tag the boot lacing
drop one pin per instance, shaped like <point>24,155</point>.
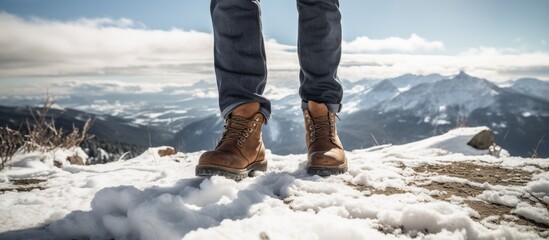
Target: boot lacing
<point>237,129</point>
<point>321,127</point>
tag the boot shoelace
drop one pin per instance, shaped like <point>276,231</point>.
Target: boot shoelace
<point>322,127</point>
<point>237,129</point>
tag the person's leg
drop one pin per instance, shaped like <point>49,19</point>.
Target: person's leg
<point>241,74</point>
<point>239,54</point>
<point>319,50</point>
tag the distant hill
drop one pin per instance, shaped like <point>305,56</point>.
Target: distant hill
<point>112,134</point>
<point>395,110</point>
<point>519,121</point>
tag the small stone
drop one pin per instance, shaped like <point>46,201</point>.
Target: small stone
<point>76,160</point>
<point>483,140</point>
<point>263,236</point>
<point>57,164</point>
<point>166,152</point>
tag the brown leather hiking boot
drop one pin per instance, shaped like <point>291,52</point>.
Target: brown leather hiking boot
<point>239,152</point>
<point>325,152</point>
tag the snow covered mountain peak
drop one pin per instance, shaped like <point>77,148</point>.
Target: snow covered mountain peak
<point>465,82</point>
<point>532,87</point>
<point>462,74</point>
<point>385,86</point>
<point>463,92</point>
<point>408,81</point>
<point>365,97</point>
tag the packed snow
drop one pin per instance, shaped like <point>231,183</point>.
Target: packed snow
<point>384,195</point>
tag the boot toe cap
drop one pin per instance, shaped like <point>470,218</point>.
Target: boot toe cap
<point>214,158</point>
<point>332,158</point>
<point>222,159</point>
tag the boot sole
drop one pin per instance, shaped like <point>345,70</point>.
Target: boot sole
<point>326,171</point>
<point>231,173</point>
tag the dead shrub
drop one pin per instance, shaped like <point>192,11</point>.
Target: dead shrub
<point>41,134</point>
<point>10,140</point>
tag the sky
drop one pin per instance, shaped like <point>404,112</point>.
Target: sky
<point>170,40</point>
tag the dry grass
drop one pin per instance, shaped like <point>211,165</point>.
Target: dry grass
<point>10,141</point>
<point>45,136</point>
<point>40,135</point>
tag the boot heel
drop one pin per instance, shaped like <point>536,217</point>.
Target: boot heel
<point>258,166</point>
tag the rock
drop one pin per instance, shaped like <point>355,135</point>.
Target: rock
<point>57,164</point>
<point>76,160</point>
<point>167,151</point>
<point>483,140</point>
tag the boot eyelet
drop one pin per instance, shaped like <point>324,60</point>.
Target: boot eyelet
<point>246,134</point>
<point>250,130</point>
<point>239,143</point>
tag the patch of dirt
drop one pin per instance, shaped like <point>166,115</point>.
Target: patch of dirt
<point>486,209</point>
<point>493,174</point>
<point>453,188</point>
<point>23,185</point>
<point>389,191</point>
<point>371,191</point>
<point>27,181</point>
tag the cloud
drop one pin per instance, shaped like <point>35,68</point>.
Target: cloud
<point>122,49</point>
<point>413,44</point>
<point>105,22</point>
<point>38,47</point>
<point>527,71</point>
<point>490,63</point>
<point>115,47</point>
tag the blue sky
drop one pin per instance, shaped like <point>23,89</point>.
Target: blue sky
<point>460,24</point>
<point>170,40</point>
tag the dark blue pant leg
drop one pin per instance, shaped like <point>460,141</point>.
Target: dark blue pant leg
<point>319,50</point>
<point>239,54</point>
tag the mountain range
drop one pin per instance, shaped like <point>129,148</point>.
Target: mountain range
<point>390,111</point>
<point>519,120</point>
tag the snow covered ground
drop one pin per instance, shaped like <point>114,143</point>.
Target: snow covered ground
<point>438,188</point>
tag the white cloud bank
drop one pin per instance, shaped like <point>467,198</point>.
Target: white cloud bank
<point>52,49</point>
<point>488,63</point>
<point>412,44</point>
<point>38,47</point>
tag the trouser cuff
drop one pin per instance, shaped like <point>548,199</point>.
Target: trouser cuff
<point>229,109</point>
<point>332,107</point>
